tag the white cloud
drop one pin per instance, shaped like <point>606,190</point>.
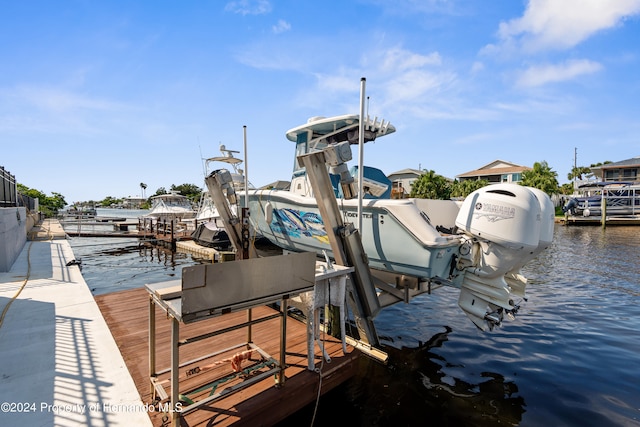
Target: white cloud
<point>55,110</point>
<point>413,85</point>
<point>345,82</point>
<point>397,59</point>
<point>562,24</point>
<point>56,100</point>
<point>477,67</point>
<point>281,27</point>
<point>249,7</point>
<point>540,75</point>
<point>408,75</point>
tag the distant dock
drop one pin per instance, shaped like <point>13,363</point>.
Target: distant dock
<point>162,231</point>
<point>627,220</point>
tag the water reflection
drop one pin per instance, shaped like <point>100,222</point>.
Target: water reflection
<point>126,264</point>
<point>569,358</point>
<point>414,389</point>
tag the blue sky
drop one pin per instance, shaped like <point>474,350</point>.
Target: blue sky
<point>97,97</point>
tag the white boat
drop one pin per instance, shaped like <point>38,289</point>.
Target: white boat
<point>171,206</point>
<point>478,245</point>
<point>208,231</point>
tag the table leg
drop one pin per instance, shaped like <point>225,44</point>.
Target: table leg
<point>175,362</point>
<point>152,345</point>
<point>283,341</point>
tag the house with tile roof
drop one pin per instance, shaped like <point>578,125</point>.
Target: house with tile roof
<point>496,172</point>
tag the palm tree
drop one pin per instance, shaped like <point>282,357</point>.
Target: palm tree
<point>541,177</point>
<point>431,186</point>
<point>143,187</point>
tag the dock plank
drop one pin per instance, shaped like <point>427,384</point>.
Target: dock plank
<point>126,314</point>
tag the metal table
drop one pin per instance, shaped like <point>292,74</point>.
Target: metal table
<point>210,290</point>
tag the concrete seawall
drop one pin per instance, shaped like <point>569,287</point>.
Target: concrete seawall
<point>13,235</point>
<point>17,225</point>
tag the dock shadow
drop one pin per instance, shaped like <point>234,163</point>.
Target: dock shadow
<point>78,374</point>
<point>27,362</point>
<point>49,368</point>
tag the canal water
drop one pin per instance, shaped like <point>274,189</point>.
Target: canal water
<point>570,358</point>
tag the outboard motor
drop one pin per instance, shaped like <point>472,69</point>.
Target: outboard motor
<point>503,224</point>
<point>505,220</point>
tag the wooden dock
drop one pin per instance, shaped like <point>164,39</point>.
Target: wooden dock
<point>126,314</point>
<point>161,231</point>
<point>626,220</point>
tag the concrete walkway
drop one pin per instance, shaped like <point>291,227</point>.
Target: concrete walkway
<point>59,364</point>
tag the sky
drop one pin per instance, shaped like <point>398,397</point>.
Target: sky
<point>99,97</point>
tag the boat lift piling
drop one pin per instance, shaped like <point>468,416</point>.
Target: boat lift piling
<point>345,242</point>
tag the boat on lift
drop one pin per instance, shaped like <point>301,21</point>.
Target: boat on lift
<point>618,198</point>
<point>478,245</point>
<point>171,206</point>
<point>209,231</point>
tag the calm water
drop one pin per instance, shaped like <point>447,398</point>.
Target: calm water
<point>570,358</point>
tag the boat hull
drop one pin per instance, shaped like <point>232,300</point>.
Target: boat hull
<point>210,235</point>
<point>395,234</point>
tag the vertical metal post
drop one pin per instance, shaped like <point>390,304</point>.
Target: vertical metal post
<point>345,244</point>
<point>152,344</point>
<point>175,362</point>
<point>283,341</point>
<point>246,168</point>
<point>361,123</point>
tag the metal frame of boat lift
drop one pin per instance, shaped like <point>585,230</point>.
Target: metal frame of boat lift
<point>369,290</point>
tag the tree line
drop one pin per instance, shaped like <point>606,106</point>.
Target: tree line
<point>433,186</point>
<point>190,191</point>
<point>429,185</point>
<point>50,205</point>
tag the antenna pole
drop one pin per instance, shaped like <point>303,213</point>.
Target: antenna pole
<point>363,83</point>
<point>246,168</point>
<point>575,167</point>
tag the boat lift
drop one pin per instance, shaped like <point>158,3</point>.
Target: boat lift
<point>369,290</point>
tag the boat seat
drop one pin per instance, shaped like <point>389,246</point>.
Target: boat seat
<point>331,291</point>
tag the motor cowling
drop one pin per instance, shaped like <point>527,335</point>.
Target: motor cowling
<point>547,219</point>
<point>506,214</point>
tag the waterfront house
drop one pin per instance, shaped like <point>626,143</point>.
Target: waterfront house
<point>133,202</point>
<point>402,181</point>
<point>496,172</point>
<point>625,170</point>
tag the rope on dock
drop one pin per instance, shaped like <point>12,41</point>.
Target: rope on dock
<point>6,308</point>
<point>26,279</point>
